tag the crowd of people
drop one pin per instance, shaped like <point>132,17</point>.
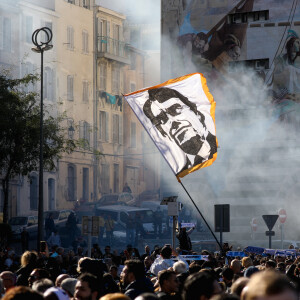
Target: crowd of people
<point>160,273</point>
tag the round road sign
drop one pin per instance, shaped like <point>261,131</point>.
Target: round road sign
<point>282,215</point>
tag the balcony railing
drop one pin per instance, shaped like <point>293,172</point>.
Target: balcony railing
<point>111,46</point>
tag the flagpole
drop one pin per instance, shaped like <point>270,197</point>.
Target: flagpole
<point>201,215</point>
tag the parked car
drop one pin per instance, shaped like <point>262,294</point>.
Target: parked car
<point>18,223</point>
<point>60,217</point>
<point>116,199</point>
<point>121,213</point>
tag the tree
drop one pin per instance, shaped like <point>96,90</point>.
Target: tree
<point>20,133</point>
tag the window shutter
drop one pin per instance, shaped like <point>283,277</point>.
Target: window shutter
<point>106,127</point>
<point>81,129</point>
<point>120,130</point>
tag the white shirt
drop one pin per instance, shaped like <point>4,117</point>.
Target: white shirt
<point>161,264</point>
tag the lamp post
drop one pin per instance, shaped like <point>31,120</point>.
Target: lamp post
<point>40,47</point>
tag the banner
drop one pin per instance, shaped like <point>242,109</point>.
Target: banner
<point>179,116</point>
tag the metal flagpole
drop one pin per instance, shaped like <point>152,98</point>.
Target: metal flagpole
<point>201,215</point>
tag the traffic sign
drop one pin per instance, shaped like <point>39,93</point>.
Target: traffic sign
<point>270,220</point>
<point>282,215</point>
<point>270,233</point>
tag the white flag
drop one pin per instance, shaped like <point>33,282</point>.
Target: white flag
<point>179,116</point>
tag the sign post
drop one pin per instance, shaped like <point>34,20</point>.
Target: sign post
<point>270,221</point>
<point>282,219</point>
<point>172,211</point>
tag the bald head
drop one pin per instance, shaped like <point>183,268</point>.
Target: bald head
<point>8,279</point>
<point>60,278</point>
<point>236,266</point>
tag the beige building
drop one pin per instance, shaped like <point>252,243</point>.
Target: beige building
<point>74,79</point>
<point>112,56</point>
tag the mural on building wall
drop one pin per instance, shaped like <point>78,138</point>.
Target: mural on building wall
<point>285,82</point>
<point>210,35</point>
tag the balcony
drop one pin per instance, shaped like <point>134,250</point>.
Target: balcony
<point>112,49</point>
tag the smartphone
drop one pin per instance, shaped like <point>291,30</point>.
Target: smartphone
<point>43,246</point>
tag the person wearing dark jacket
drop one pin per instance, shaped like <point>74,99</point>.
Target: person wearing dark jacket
<point>184,239</point>
<point>28,263</point>
<point>134,279</point>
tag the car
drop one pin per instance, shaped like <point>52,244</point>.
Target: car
<point>60,217</point>
<point>116,199</point>
<point>18,223</point>
<point>121,213</point>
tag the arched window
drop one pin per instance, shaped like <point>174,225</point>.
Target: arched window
<point>34,192</point>
<point>71,183</point>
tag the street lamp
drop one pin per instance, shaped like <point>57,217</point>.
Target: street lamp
<point>40,47</point>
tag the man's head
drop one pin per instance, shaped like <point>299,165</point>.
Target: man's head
<point>227,274</point>
<point>132,270</point>
<point>60,278</point>
<point>180,267</point>
<point>148,262</point>
<point>166,252</point>
<point>8,279</point>
<point>164,109</point>
<point>147,249</point>
<point>113,270</point>
<point>42,285</point>
<point>86,287</point>
<point>270,285</point>
<point>22,292</point>
<point>107,249</point>
<point>236,266</point>
<point>247,262</point>
<point>200,286</point>
<point>168,281</point>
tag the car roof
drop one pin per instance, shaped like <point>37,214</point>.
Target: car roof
<point>122,208</point>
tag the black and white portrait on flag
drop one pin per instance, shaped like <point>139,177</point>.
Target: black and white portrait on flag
<point>178,119</point>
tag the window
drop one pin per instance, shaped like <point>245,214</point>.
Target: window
<point>28,29</point>
<point>44,37</point>
<point>48,84</point>
<point>34,192</point>
<point>132,61</point>
<point>84,133</point>
<point>104,178</point>
<point>103,35</point>
<point>116,129</point>
<point>85,184</point>
<point>71,196</point>
<point>85,91</point>
<point>116,39</point>
<point>70,88</point>
<point>116,178</point>
<point>86,3</point>
<point>71,129</point>
<point>85,41</point>
<point>6,34</point>
<point>115,80</point>
<point>102,72</point>
<point>103,126</point>
<point>70,38</point>
<point>28,68</point>
<point>133,135</point>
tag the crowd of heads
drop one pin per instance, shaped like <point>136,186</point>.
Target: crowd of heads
<point>161,273</point>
